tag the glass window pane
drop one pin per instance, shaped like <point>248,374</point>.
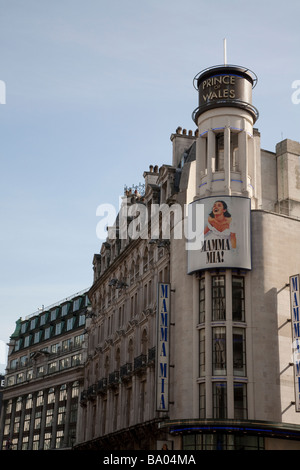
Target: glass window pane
<point>218,298</point>
<point>219,350</point>
<point>202,301</point>
<point>220,400</point>
<point>202,401</point>
<point>202,353</point>
<point>240,401</point>
<point>239,352</point>
<point>238,299</point>
<point>219,164</point>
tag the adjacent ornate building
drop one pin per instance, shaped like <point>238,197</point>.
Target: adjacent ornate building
<point>44,378</point>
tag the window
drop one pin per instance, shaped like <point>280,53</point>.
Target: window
<point>37,337</point>
<point>75,389</point>
<point>238,299</point>
<point>202,301</point>
<point>63,392</point>
<point>19,404</point>
<point>81,319</point>
<point>36,442</point>
<point>52,367</point>
<point>58,328</point>
<point>66,344</point>
<point>218,441</point>
<point>234,152</point>
<point>239,351</point>
<point>43,319</point>
<point>25,442</point>
<point>20,377</point>
<point>17,424</point>
<point>48,332</point>
<point>29,402</point>
<point>202,401</point>
<point>33,323</point>
<point>219,400</point>
<point>7,426</point>
<point>219,350</point>
<point>27,341</point>
<point>40,398</point>
<point>202,352</point>
<point>70,323</point>
<point>14,363</point>
<point>9,407</point>
<point>24,327</point>
<point>64,363</point>
<point>219,165</point>
<point>76,360</point>
<point>51,396</point>
<point>218,298</point>
<point>40,371</point>
<point>37,420</point>
<point>54,348</point>
<point>65,309</point>
<point>27,421</point>
<point>78,340</point>
<point>61,415</point>
<point>11,380</point>
<point>47,441</point>
<point>23,360</point>
<point>76,304</point>
<point>73,412</point>
<point>59,439</point>
<point>240,401</point>
<point>49,417</point>
<point>53,314</point>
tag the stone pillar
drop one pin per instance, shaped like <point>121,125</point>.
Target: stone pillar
<point>196,345</point>
<point>229,345</point>
<point>211,155</point>
<point>243,157</point>
<point>201,158</point>
<point>54,424</point>
<point>31,429</point>
<point>66,442</point>
<point>22,422</point>
<point>43,421</point>
<point>227,160</point>
<point>208,347</point>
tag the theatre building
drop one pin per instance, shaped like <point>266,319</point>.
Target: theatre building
<point>44,378</point>
<point>193,335</point>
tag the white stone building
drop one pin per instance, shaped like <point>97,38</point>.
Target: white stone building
<point>229,380</point>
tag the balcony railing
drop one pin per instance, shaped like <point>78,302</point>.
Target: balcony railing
<point>113,378</point>
<point>102,385</point>
<point>83,398</point>
<point>151,354</point>
<point>92,391</point>
<point>140,362</point>
<point>126,371</point>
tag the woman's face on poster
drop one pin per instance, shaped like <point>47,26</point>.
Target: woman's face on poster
<point>218,208</point>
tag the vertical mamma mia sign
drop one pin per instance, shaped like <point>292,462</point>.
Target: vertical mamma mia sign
<point>162,347</point>
<point>295,305</point>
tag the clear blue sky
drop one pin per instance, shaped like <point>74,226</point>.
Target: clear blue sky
<point>94,90</point>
